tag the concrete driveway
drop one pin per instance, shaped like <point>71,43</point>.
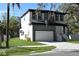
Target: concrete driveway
<point>62,45</point>
<point>62,49</point>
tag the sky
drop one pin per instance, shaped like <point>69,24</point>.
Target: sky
<point>19,12</point>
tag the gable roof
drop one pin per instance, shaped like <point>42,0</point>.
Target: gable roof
<point>41,11</point>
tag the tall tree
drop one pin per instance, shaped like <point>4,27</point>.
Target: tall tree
<point>73,13</point>
<point>71,9</point>
<point>14,26</point>
<point>41,6</point>
<point>1,32</point>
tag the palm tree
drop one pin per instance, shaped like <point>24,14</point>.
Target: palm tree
<point>8,15</point>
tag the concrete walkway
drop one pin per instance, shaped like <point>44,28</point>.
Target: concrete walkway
<point>62,49</point>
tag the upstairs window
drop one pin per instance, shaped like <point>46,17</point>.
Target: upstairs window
<point>61,17</point>
<point>34,16</point>
<point>52,16</point>
<point>43,16</point>
<point>40,18</point>
<point>57,17</point>
<point>46,16</point>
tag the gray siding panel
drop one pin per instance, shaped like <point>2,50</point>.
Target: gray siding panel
<point>43,28</point>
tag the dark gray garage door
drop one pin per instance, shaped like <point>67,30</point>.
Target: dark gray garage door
<point>44,36</point>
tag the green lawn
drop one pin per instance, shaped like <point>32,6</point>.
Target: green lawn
<point>24,51</point>
<point>76,41</point>
<point>14,50</point>
<point>18,42</point>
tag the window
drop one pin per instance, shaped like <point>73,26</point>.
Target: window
<point>46,16</point>
<point>40,17</point>
<point>63,29</point>
<point>33,15</point>
<point>57,17</point>
<point>51,18</point>
<point>43,16</point>
<point>61,17</point>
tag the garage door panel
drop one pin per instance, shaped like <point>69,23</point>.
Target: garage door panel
<point>44,35</point>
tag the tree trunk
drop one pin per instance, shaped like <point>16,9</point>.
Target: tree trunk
<point>7,27</point>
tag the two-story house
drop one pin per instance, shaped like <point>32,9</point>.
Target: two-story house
<point>43,25</point>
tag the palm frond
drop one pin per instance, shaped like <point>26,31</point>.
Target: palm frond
<point>13,4</point>
<point>18,5</point>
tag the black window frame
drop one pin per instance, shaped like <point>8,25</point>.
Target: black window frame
<point>46,15</point>
<point>51,18</point>
<point>40,17</point>
<point>61,17</point>
<point>34,16</point>
<point>56,17</point>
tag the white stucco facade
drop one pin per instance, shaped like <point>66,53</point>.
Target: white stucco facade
<point>26,28</point>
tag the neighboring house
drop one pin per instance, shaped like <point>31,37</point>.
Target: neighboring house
<point>36,26</point>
